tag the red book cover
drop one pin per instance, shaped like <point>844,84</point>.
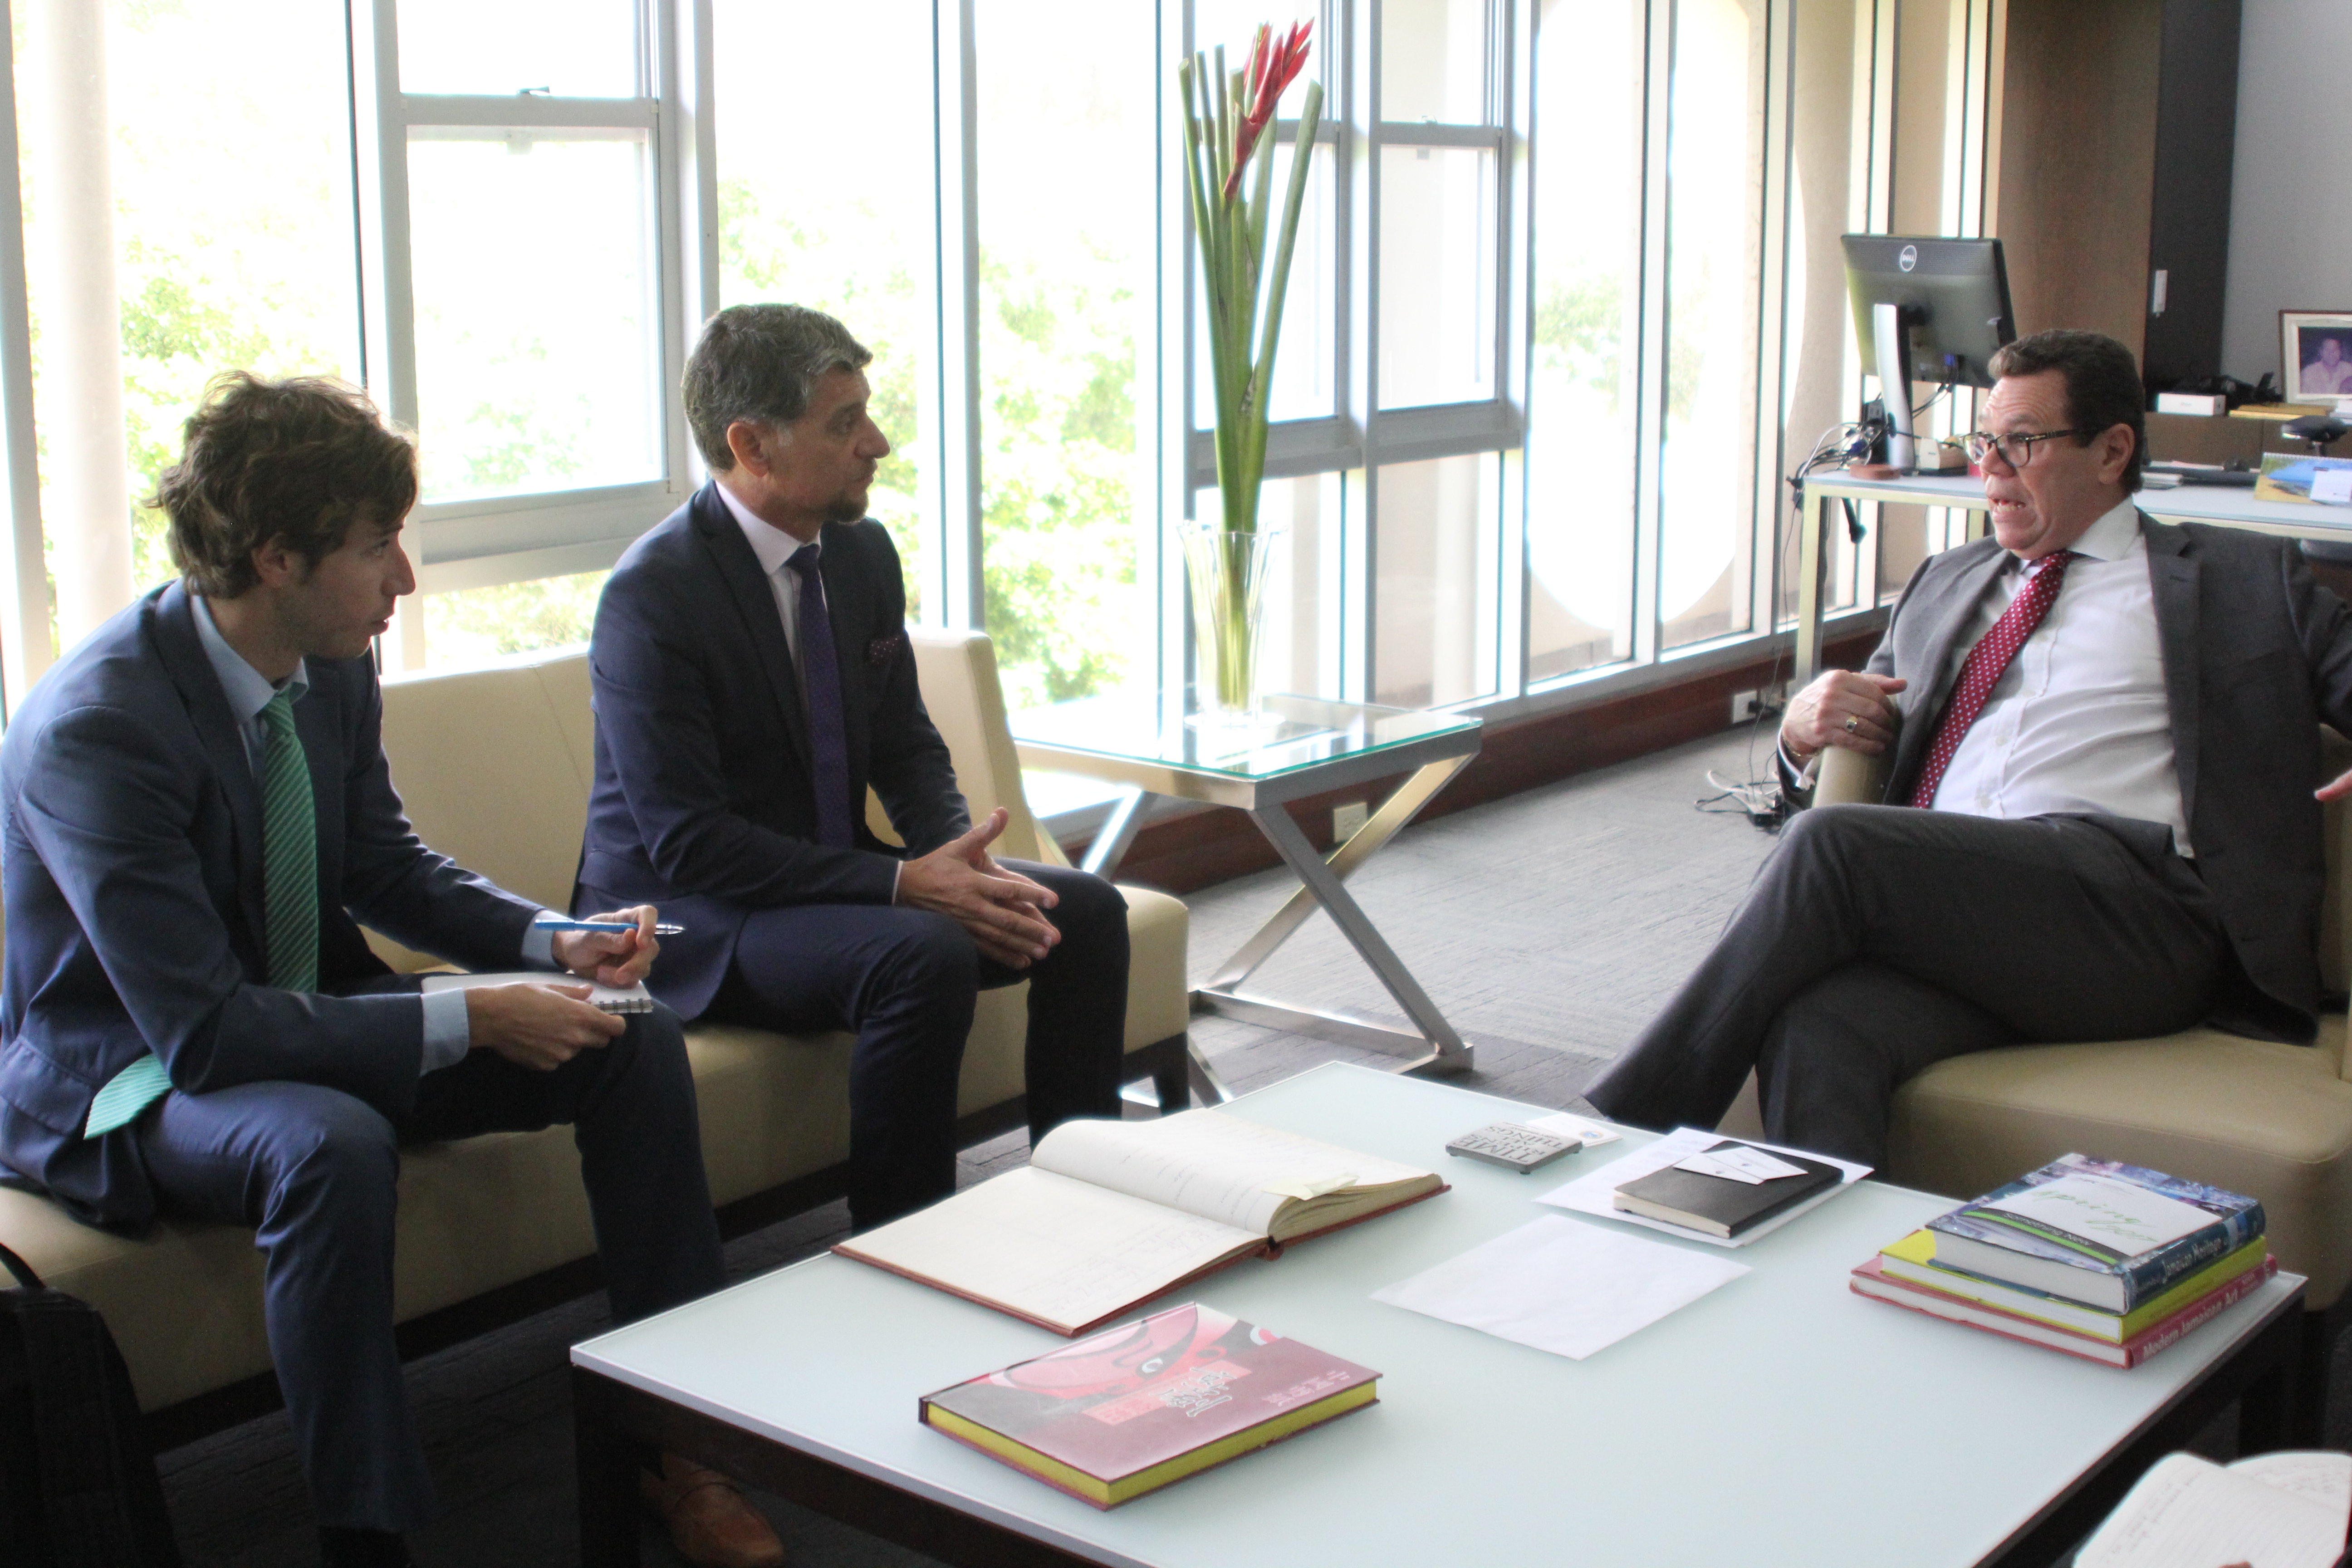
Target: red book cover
<point>1134,1408</point>
<point>1872,1281</point>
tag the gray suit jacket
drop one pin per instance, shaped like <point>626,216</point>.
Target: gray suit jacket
<point>2256,655</point>
<point>130,862</point>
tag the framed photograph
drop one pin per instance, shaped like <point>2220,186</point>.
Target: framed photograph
<point>2315,354</point>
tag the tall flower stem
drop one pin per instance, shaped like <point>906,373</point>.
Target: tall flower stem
<point>1226,115</point>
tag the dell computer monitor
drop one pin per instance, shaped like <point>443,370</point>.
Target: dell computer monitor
<point>1948,302</point>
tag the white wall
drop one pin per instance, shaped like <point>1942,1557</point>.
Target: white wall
<point>2290,223</point>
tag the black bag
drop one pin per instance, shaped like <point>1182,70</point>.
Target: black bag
<point>77,1487</point>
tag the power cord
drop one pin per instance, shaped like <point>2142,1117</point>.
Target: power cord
<point>1759,798</point>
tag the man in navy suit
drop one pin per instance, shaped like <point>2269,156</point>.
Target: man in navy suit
<point>752,679</point>
<point>197,816</point>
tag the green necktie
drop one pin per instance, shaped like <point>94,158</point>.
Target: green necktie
<point>289,852</point>
<point>289,877</point>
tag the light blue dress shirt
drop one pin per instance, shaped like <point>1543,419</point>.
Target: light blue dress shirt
<point>446,1031</point>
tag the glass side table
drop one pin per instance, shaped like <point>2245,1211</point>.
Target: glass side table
<point>1308,746</point>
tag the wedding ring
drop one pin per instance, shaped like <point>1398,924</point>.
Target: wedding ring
<point>1852,725</point>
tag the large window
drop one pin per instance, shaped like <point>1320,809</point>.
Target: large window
<point>210,267</point>
<point>827,197</point>
<point>1566,303</point>
<point>1065,145</point>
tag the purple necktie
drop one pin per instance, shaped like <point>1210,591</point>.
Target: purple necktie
<point>821,677</point>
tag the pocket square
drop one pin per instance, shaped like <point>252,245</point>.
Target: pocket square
<point>880,650</point>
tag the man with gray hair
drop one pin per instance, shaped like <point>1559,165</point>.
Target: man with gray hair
<point>752,680</point>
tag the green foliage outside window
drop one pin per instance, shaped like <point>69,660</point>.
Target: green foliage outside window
<point>1057,424</point>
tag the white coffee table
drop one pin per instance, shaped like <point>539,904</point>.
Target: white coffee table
<point>1781,1421</point>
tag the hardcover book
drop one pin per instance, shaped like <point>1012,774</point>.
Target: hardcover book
<point>1132,1409</point>
<point>2107,1235</point>
<point>1107,1214</point>
<point>1913,1260</point>
<point>1723,1206</point>
<point>1872,1280</point>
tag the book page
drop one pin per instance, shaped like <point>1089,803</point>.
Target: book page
<point>1058,1250</point>
<point>2188,1512</point>
<point>1208,1163</point>
<point>2325,1477</point>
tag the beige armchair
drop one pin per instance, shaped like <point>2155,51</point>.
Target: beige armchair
<point>495,767</point>
<point>2254,1116</point>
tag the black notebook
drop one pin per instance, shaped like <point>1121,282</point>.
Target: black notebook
<point>1722,1206</point>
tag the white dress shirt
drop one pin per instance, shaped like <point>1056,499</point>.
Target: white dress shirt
<point>447,1033</point>
<point>2079,721</point>
<point>775,549</point>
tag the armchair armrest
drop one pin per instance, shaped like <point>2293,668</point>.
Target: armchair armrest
<point>1849,778</point>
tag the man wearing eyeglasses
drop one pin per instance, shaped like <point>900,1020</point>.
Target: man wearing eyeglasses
<point>2101,822</point>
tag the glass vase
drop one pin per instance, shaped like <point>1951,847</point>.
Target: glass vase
<point>1228,570</point>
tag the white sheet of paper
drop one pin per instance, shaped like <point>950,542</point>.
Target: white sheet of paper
<point>1561,1287</point>
<point>1566,1126</point>
<point>1589,1193</point>
<point>2332,487</point>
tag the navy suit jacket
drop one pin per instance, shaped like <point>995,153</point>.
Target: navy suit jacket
<point>2256,657</point>
<point>131,862</point>
<point>704,801</point>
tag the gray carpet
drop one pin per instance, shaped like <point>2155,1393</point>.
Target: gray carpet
<point>1547,927</point>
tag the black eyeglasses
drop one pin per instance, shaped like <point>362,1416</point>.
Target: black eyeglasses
<point>2017,451</point>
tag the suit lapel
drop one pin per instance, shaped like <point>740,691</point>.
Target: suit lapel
<point>1955,614</point>
<point>2172,580</point>
<point>755,602</point>
<point>192,671</point>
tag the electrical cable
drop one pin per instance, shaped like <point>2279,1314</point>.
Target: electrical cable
<point>1759,798</point>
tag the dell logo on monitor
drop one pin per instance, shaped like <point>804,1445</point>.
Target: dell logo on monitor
<point>1909,258</point>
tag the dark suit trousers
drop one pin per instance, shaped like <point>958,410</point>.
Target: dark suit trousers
<point>907,982</point>
<point>312,1169</point>
<point>1877,939</point>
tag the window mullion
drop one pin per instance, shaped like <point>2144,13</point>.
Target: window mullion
<point>387,299</point>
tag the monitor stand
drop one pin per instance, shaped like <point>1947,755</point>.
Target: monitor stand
<point>1893,336</point>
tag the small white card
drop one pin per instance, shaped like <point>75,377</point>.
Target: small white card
<point>1740,1163</point>
<point>2332,487</point>
<point>1561,1124</point>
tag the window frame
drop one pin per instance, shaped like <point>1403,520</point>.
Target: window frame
<point>486,541</point>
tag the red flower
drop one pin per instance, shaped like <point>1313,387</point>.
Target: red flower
<point>1272,67</point>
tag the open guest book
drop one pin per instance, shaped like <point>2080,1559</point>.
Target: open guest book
<point>1108,1214</point>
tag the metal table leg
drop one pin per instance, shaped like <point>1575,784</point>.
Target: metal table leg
<point>1117,834</point>
<point>1812,563</point>
<point>1438,1049</point>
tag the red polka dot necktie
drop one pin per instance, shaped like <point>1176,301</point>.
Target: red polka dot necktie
<point>1986,663</point>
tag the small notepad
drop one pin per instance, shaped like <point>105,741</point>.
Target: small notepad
<point>632,999</point>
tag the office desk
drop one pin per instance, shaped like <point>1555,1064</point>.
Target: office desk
<point>1779,1422</point>
<point>2188,504</point>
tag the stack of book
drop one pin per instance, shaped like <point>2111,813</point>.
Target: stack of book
<point>2102,1261</point>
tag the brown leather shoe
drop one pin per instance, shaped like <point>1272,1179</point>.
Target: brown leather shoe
<point>710,1521</point>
